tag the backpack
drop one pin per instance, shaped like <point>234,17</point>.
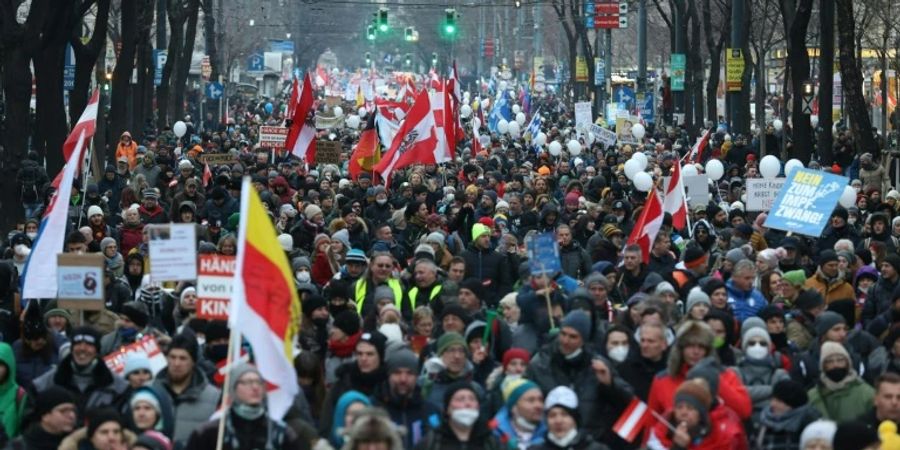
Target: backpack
<point>28,178</point>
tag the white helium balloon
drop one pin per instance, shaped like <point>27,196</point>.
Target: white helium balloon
<point>769,166</point>
<point>476,122</point>
<point>848,197</point>
<point>689,170</point>
<point>520,118</point>
<point>574,147</point>
<point>589,138</point>
<point>353,122</point>
<point>540,139</point>
<point>338,111</point>
<point>503,126</point>
<point>179,128</point>
<point>638,131</point>
<point>641,158</point>
<point>791,165</point>
<point>516,109</point>
<point>465,111</point>
<point>643,181</point>
<point>484,140</point>
<point>555,148</point>
<point>362,111</point>
<point>715,169</point>
<point>632,167</point>
<point>728,137</point>
<point>778,124</point>
<point>514,129</point>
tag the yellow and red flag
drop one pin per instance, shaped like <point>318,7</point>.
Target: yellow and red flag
<point>265,307</point>
<point>360,99</point>
<point>367,152</point>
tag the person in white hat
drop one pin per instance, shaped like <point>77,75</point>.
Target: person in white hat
<point>561,415</point>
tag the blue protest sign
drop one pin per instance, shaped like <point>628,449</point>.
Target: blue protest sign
<point>543,255</point>
<point>647,110</point>
<point>214,91</point>
<point>806,201</point>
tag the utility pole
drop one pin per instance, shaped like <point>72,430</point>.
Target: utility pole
<point>598,88</point>
<point>826,76</point>
<point>738,37</point>
<point>607,89</point>
<point>538,30</point>
<point>479,66</point>
<point>678,96</point>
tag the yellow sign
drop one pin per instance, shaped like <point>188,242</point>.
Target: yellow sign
<point>734,69</point>
<point>537,64</point>
<point>581,69</point>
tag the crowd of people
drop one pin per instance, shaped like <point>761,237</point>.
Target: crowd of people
<point>425,327</point>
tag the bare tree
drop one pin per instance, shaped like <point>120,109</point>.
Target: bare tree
<point>852,79</point>
<point>795,17</point>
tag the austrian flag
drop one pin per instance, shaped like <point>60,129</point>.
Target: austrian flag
<point>301,138</point>
<point>633,420</point>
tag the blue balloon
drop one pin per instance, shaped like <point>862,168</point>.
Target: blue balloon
<point>269,108</point>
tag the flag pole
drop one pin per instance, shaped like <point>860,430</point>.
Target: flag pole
<point>226,397</point>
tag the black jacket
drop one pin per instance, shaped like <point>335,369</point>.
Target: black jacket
<point>443,438</point>
<point>412,413</point>
<point>487,266</point>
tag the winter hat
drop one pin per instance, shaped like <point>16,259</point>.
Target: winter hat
<point>826,321</point>
<point>235,376</point>
<point>137,313</point>
<point>286,241</point>
<point>790,392</point>
<point>831,349</point>
<point>456,387</point>
<point>190,290</point>
<point>423,251</point>
<point>319,238</point>
<point>694,332</point>
<point>735,255</point>
<point>312,303</point>
<point>894,260</point>
<point>388,308</point>
<point>769,256</point>
<point>300,262</point>
<point>393,333</point>
<point>595,278</point>
<point>99,416</point>
<point>187,342</point>
<point>86,334</point>
<point>695,393</point>
<point>664,287</point>
<point>795,277</point>
<point>135,361</point>
<point>694,257</point>
<point>356,256</point>
<point>854,435</point>
<point>145,395</point>
<point>474,285</point>
<point>565,398</point>
<point>347,321</point>
<point>106,242</point>
<point>454,309</point>
<point>435,237</point>
<point>383,292</point>
<point>757,333</point>
<point>33,325</point>
<point>770,311</point>
<point>59,312</point>
<point>840,211</point>
<point>478,230</point>
<point>826,257</point>
<point>375,339</point>
<point>402,359</point>
<point>695,297</point>
<point>449,339</point>
<point>94,210</point>
<point>752,322</point>
<point>579,321</point>
<point>343,236</point>
<point>311,211</point>
<point>709,370</point>
<point>513,390</point>
<point>819,430</point>
<point>515,353</point>
<point>808,300</point>
<point>153,440</point>
<point>474,330</point>
<point>51,398</point>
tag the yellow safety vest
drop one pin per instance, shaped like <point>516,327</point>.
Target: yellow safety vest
<point>414,294</point>
<point>363,284</point>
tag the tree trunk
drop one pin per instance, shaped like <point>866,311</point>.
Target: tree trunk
<point>184,56</point>
<point>120,119</point>
<point>798,60</point>
<point>85,58</point>
<point>714,49</point>
<point>852,80</point>
<point>209,31</point>
<point>142,92</point>
<point>177,15</point>
<point>695,60</point>
<point>760,104</point>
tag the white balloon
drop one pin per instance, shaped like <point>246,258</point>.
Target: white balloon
<point>769,166</point>
<point>689,170</point>
<point>179,128</point>
<point>516,109</point>
<point>589,138</point>
<point>632,167</point>
<point>540,139</point>
<point>338,111</point>
<point>503,126</point>
<point>848,197</point>
<point>791,164</point>
<point>574,147</point>
<point>728,137</point>
<point>638,131</point>
<point>514,129</point>
<point>778,124</point>
<point>466,95</point>
<point>643,181</point>
<point>485,140</point>
<point>520,118</point>
<point>465,111</point>
<point>476,122</point>
<point>353,122</point>
<point>641,158</point>
<point>362,111</point>
<point>555,148</point>
<point>502,85</point>
<point>814,120</point>
<point>715,169</point>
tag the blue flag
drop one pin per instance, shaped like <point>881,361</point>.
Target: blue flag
<point>500,110</point>
<point>534,128</point>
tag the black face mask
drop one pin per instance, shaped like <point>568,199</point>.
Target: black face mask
<point>320,323</point>
<point>837,374</point>
<point>334,310</point>
<point>217,352</point>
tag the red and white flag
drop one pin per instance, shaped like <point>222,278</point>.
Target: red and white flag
<point>207,174</point>
<point>321,77</point>
<point>416,140</point>
<point>292,103</point>
<point>301,138</point>
<point>407,92</point>
<point>453,82</point>
<point>696,153</point>
<point>647,226</point>
<point>445,123</point>
<point>633,420</point>
<point>675,201</point>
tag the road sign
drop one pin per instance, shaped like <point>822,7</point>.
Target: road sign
<point>214,90</point>
<point>611,21</point>
<point>205,68</point>
<point>255,63</point>
<point>648,111</point>
<point>581,72</point>
<point>734,69</point>
<point>159,57</point>
<point>69,69</point>
<point>677,64</point>
<point>599,71</point>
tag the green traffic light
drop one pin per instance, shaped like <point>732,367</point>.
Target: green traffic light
<point>383,27</point>
<point>450,29</point>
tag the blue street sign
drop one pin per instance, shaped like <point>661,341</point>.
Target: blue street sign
<point>159,58</point>
<point>281,46</point>
<point>624,94</point>
<point>647,109</point>
<point>255,63</point>
<point>599,72</point>
<point>805,202</point>
<point>214,91</point>
<point>69,69</point>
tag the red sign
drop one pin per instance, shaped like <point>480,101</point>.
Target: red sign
<point>607,8</point>
<point>146,345</point>
<point>607,21</point>
<point>488,48</point>
<point>214,283</point>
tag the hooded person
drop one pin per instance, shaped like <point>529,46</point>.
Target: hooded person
<point>349,403</point>
<point>12,397</point>
<point>372,428</point>
<point>247,422</point>
<point>462,425</point>
<point>840,394</point>
<point>759,369</point>
<point>38,350</point>
<point>150,410</point>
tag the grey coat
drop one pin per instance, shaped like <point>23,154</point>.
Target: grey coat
<point>193,407</point>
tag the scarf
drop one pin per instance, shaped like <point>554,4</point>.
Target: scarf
<point>344,349</point>
<point>274,434</point>
<point>790,421</point>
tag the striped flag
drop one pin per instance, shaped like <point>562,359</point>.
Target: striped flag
<point>534,128</point>
<point>696,153</point>
<point>675,201</point>
<point>301,138</point>
<point>648,224</point>
<point>633,420</point>
<point>266,302</point>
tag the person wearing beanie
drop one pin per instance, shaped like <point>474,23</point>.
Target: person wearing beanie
<point>791,286</point>
<point>693,344</point>
<point>83,373</point>
<point>52,419</point>
<point>113,262</point>
<point>880,296</point>
<point>829,281</point>
<point>487,265</point>
<point>450,363</point>
<point>194,396</point>
<point>138,371</point>
<point>837,229</point>
<point>133,321</point>
<point>104,429</point>
<point>573,258</point>
<point>839,393</point>
<point>342,339</point>
<point>760,368</point>
<point>150,409</point>
<point>520,422</point>
<point>402,398</point>
<point>818,435</point>
<point>562,418</point>
<point>831,327</point>
<point>698,304</point>
<point>693,266</point>
<point>699,422</point>
<point>856,435</point>
<point>783,419</point>
<point>247,423</point>
<point>801,330</point>
<point>461,423</point>
<point>774,318</point>
<point>152,440</point>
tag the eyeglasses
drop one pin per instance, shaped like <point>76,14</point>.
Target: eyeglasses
<point>252,383</point>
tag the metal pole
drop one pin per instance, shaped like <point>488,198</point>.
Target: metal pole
<point>736,98</point>
<point>598,88</point>
<point>479,65</point>
<point>538,29</point>
<point>608,88</point>
<point>642,47</point>
<point>678,96</point>
<point>826,78</point>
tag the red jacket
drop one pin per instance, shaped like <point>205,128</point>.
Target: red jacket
<point>130,237</point>
<point>726,433</point>
<point>731,391</point>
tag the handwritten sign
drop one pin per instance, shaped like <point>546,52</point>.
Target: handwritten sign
<point>272,137</point>
<point>761,193</point>
<point>328,152</point>
<point>583,116</point>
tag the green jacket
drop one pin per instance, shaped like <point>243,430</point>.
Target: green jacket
<point>12,397</point>
<point>846,403</point>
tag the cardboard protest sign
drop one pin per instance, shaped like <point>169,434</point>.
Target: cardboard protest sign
<point>214,285</point>
<point>79,280</point>
<point>761,193</point>
<point>147,346</point>
<point>272,137</point>
<point>173,252</point>
<point>328,152</point>
<point>543,254</point>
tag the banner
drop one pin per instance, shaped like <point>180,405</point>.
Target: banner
<point>583,116</point>
<point>543,254</point>
<point>806,201</point>
<point>761,193</point>
<point>173,252</point>
<point>214,286</point>
<point>147,346</point>
<point>604,136</point>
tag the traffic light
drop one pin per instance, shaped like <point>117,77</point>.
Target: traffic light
<point>370,32</point>
<point>368,59</point>
<point>450,21</point>
<point>408,59</point>
<point>518,3</point>
<point>383,20</point>
<point>408,34</point>
<point>434,60</point>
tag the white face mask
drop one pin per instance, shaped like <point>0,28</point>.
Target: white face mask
<point>22,250</point>
<point>465,417</point>
<point>757,352</point>
<point>381,201</point>
<point>618,353</point>
<point>302,277</point>
<point>31,235</point>
<point>564,440</point>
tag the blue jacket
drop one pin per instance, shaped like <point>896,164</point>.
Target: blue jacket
<point>744,304</point>
<point>505,432</point>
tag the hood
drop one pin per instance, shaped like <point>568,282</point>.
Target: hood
<point>549,208</point>
<point>166,424</point>
<point>8,357</point>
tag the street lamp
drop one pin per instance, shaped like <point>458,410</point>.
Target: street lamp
<point>287,35</point>
<point>808,91</point>
<point>252,22</point>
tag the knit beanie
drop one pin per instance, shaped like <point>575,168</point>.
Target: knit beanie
<point>136,361</point>
<point>376,340</point>
<point>809,299</point>
<point>454,309</point>
<point>831,349</point>
<point>187,342</point>
<point>694,257</point>
<point>236,373</point>
<point>51,398</point>
<point>402,359</point>
<point>86,334</point>
<point>757,333</point>
<point>769,256</point>
<point>819,430</point>
<point>770,311</point>
<point>709,370</point>
<point>153,440</point>
<point>94,210</point>
<point>579,321</point>
<point>478,230</point>
<point>449,339</point>
<point>146,395</point>
<point>513,390</point>
<point>286,242</point>
<point>695,297</point>
<point>790,392</point>
<point>347,321</point>
<point>795,277</point>
<point>137,313</point>
<point>474,285</point>
<point>752,322</point>
<point>894,260</point>
<point>695,393</point>
<point>99,416</point>
<point>311,211</point>
<point>563,397</point>
<point>456,387</point>
<point>516,353</point>
<point>384,292</point>
<point>735,255</point>
<point>854,435</point>
<point>826,257</point>
<point>826,321</point>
